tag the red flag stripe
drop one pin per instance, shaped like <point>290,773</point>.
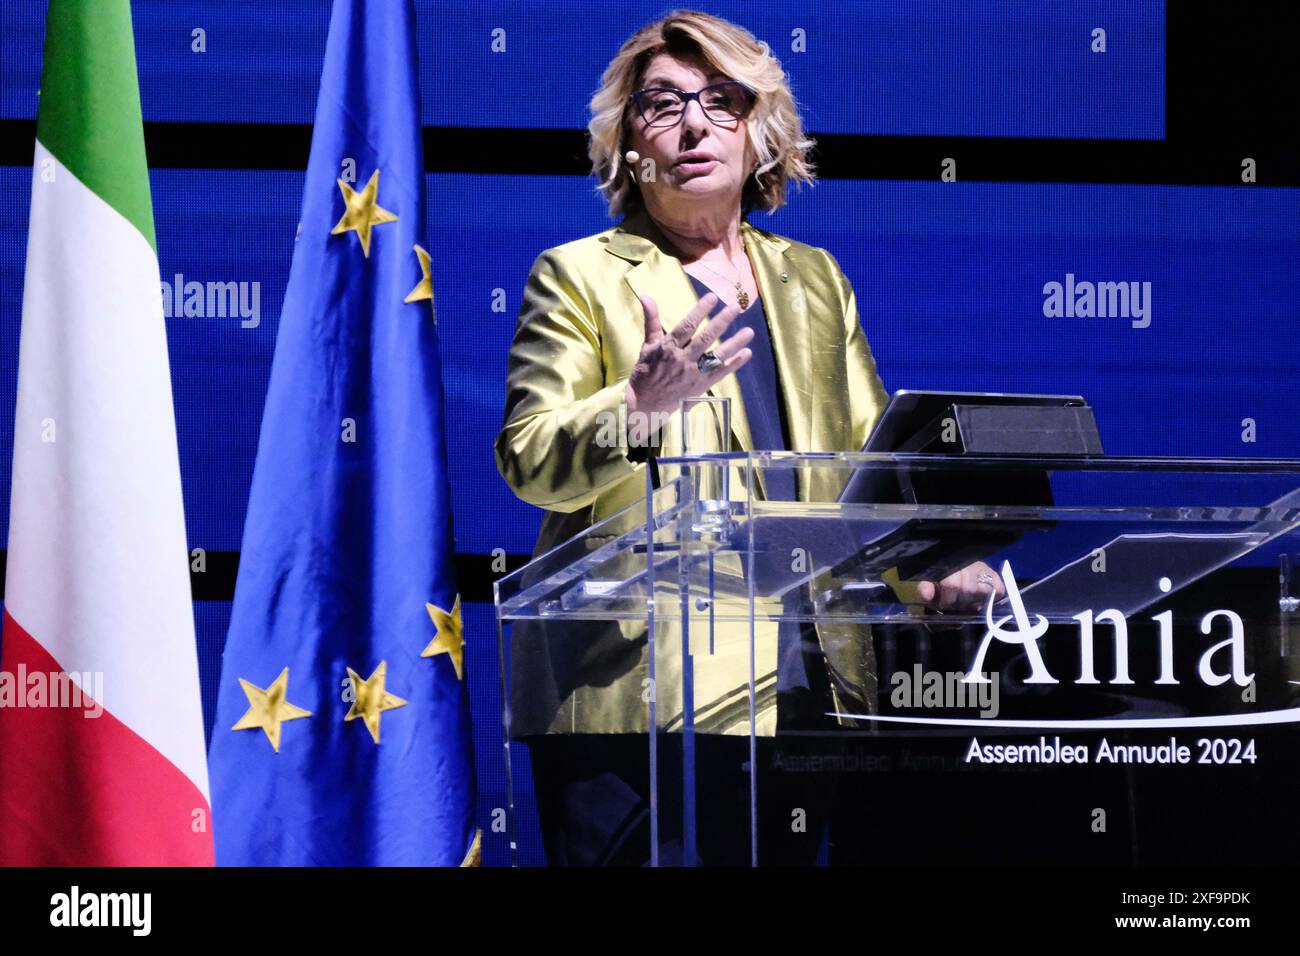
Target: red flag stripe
<point>83,791</point>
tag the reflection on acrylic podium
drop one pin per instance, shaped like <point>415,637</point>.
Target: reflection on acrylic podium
<point>1130,698</point>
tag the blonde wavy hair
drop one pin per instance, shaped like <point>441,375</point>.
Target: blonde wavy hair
<point>775,126</point>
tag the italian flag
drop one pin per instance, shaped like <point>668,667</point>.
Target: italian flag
<point>102,759</point>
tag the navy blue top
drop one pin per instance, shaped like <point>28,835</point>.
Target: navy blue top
<point>761,393</point>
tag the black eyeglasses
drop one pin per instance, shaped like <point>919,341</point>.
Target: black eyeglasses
<point>723,103</point>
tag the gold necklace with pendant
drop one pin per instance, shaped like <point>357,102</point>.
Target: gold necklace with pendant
<point>742,297</point>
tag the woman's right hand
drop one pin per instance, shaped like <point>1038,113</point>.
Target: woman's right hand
<point>667,369</point>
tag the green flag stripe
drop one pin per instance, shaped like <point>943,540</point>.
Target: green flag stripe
<point>89,115</point>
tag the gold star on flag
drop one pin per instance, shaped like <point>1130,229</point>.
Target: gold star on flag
<point>268,708</point>
<point>424,289</point>
<point>371,699</point>
<point>363,211</point>
<point>449,640</point>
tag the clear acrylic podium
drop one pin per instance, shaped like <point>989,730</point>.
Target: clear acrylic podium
<point>1136,607</point>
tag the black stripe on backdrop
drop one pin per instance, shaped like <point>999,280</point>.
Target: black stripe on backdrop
<point>1213,161</point>
<point>1255,588</point>
<point>475,574</point>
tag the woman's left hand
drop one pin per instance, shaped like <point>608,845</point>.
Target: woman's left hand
<point>964,589</point>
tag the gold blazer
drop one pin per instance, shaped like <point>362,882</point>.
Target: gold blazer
<point>580,332</point>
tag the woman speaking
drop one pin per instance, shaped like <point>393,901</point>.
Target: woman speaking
<point>693,127</point>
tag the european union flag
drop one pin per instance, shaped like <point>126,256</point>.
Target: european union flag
<point>343,733</point>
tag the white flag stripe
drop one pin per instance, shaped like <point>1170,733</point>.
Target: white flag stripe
<point>97,570</point>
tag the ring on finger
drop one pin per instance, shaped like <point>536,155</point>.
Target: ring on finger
<point>708,361</point>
